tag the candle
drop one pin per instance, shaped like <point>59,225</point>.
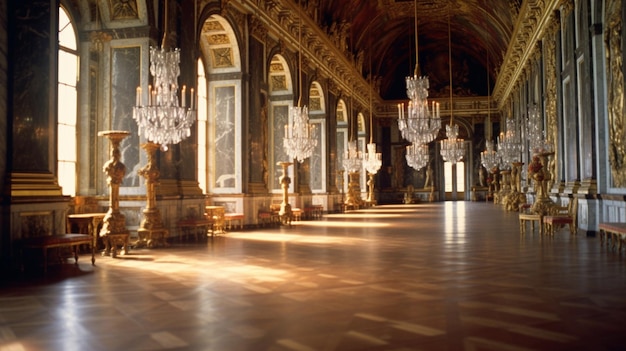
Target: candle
<point>183,97</point>
<point>192,106</point>
<point>149,95</point>
<point>138,102</point>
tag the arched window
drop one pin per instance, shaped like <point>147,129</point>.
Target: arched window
<point>281,102</point>
<point>202,128</point>
<point>362,141</point>
<point>223,129</point>
<point>68,104</point>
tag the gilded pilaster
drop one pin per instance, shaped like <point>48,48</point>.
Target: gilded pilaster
<point>552,131</point>
<point>615,84</point>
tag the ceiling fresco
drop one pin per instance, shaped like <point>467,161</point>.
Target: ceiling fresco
<point>480,32</point>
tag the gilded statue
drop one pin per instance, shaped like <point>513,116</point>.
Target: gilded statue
<point>615,77</point>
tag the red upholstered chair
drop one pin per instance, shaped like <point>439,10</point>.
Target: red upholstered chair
<point>561,216</point>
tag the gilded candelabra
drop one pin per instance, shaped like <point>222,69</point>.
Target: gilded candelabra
<point>285,208</point>
<point>114,230</point>
<point>540,174</point>
<point>151,231</point>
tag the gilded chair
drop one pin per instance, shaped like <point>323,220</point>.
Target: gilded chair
<point>561,216</point>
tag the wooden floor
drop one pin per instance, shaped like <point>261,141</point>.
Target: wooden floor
<point>442,276</point>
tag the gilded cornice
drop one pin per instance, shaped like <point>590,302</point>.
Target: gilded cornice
<point>534,17</point>
<point>280,17</point>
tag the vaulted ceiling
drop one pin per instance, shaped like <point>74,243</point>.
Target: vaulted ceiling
<point>480,31</point>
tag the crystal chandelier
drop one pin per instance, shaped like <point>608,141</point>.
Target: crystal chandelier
<point>299,141</point>
<point>166,119</point>
<point>509,145</point>
<point>452,148</point>
<point>536,136</point>
<point>417,156</point>
<point>489,158</point>
<point>372,160</point>
<point>420,124</point>
<point>352,160</point>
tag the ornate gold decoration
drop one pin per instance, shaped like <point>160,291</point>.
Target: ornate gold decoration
<point>222,57</point>
<point>615,85</point>
<point>285,208</point>
<point>151,230</point>
<point>114,223</point>
<point>123,9</point>
<point>527,33</point>
<point>552,132</point>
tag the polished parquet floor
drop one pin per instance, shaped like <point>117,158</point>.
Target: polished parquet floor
<point>442,276</point>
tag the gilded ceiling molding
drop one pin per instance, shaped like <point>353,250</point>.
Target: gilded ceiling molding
<point>257,29</point>
<point>530,25</point>
<point>615,85</point>
<point>281,18</point>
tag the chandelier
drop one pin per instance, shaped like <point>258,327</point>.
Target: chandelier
<point>352,160</point>
<point>417,156</point>
<point>299,141</point>
<point>509,145</point>
<point>420,124</point>
<point>489,158</point>
<point>537,143</point>
<point>372,160</point>
<point>166,119</point>
<point>452,148</point>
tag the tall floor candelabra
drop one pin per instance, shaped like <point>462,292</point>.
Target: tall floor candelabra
<point>285,208</point>
<point>114,230</point>
<point>151,231</point>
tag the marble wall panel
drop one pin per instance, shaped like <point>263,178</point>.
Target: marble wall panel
<point>224,138</point>
<point>280,118</point>
<point>125,78</point>
<point>317,166</point>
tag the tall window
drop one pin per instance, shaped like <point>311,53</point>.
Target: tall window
<point>202,128</point>
<point>342,142</point>
<point>68,104</point>
<point>317,115</point>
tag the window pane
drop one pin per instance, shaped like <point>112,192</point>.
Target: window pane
<point>67,143</point>
<point>68,68</point>
<point>67,177</point>
<point>447,176</point>
<point>460,177</point>
<point>67,37</point>
<point>67,105</point>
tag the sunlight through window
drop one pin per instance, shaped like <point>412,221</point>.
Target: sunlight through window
<point>67,104</point>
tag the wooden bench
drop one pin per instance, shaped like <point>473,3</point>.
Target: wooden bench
<point>73,241</point>
<point>195,226</point>
<point>313,212</point>
<point>229,218</point>
<point>613,231</point>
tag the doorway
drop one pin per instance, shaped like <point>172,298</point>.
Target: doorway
<point>454,181</point>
